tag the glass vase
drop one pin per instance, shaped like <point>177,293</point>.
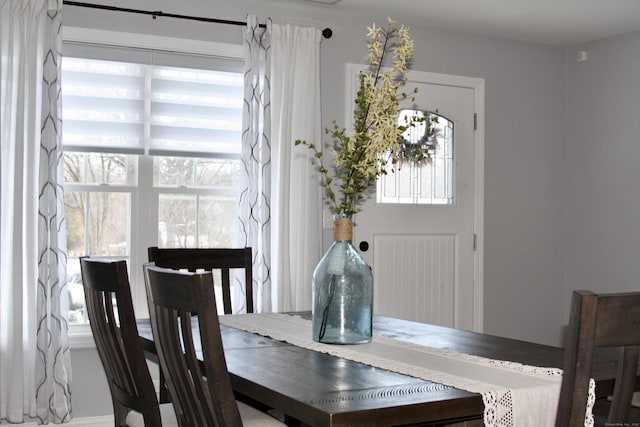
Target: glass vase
<point>342,291</point>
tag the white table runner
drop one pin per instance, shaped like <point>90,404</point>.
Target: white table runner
<point>513,394</point>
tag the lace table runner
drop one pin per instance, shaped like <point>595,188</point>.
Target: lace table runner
<point>513,394</point>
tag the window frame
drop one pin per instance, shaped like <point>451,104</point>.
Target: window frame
<point>80,335</point>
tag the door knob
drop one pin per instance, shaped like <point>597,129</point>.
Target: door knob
<point>364,246</point>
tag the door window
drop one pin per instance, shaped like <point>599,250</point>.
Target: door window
<point>416,180</point>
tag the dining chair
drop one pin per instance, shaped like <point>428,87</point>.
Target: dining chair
<point>113,324</point>
<point>208,259</point>
<point>194,363</point>
<point>600,320</point>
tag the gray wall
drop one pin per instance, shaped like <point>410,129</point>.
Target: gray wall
<point>603,172</point>
<point>89,389</point>
<point>540,203</point>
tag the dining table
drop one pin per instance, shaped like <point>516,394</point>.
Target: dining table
<point>312,384</point>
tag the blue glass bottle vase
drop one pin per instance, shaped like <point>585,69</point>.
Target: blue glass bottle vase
<point>342,291</point>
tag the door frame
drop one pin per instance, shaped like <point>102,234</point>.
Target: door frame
<point>477,85</point>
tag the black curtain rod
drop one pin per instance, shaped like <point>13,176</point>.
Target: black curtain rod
<point>327,32</point>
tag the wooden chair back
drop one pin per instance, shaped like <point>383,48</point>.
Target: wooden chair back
<point>112,319</point>
<point>201,393</point>
<point>208,259</point>
<point>600,320</point>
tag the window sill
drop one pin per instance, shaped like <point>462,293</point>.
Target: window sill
<point>80,336</point>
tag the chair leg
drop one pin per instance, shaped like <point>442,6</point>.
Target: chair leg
<point>119,414</point>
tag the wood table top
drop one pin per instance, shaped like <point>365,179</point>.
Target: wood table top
<point>318,389</point>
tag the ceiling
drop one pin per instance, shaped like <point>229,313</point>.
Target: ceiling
<point>552,22</point>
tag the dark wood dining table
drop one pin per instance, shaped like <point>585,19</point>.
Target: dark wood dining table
<point>317,389</point>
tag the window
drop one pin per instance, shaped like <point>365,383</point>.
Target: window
<point>152,145</point>
<point>422,183</point>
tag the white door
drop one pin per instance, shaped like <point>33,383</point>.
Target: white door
<point>424,255</point>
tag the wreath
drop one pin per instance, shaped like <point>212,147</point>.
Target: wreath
<point>418,149</point>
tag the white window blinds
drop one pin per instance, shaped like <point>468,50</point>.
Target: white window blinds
<point>139,100</point>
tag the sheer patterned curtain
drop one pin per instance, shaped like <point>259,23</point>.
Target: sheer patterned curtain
<point>280,209</point>
<point>255,200</point>
<point>35,367</point>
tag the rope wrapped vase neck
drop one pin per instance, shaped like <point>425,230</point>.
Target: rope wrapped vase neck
<point>343,229</point>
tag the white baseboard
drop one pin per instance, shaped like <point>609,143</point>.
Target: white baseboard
<point>102,421</point>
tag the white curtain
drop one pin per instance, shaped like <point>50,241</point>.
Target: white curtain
<point>35,367</point>
<point>280,209</point>
<point>296,202</point>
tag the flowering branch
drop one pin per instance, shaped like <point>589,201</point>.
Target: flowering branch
<point>361,156</point>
